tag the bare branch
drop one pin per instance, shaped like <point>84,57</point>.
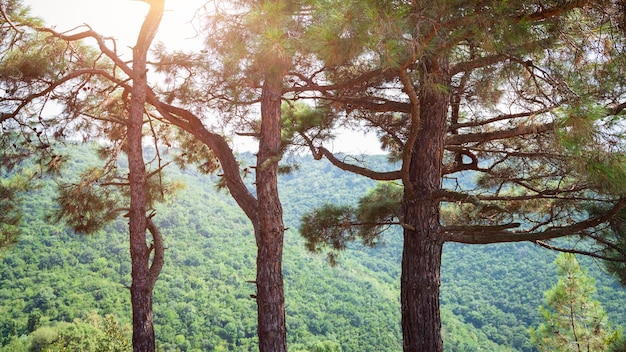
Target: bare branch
<point>501,134</point>
<point>371,174</point>
<point>578,251</point>
<point>53,86</point>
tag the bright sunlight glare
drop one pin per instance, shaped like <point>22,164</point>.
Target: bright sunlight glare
<point>122,19</point>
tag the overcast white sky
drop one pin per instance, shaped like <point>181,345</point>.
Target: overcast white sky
<point>121,19</point>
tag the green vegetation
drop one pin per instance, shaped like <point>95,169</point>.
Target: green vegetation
<point>574,321</point>
<point>10,218</point>
<point>55,284</point>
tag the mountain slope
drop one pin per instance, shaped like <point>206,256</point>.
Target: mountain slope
<point>203,301</point>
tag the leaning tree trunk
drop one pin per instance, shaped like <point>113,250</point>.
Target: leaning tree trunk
<point>270,231</point>
<point>143,274</point>
<point>421,256</point>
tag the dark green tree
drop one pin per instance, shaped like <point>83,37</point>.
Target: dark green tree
<point>574,321</point>
<point>11,216</point>
<point>504,119</point>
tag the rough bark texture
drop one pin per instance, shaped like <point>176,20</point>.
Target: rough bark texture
<point>270,231</point>
<point>423,243</point>
<point>142,278</point>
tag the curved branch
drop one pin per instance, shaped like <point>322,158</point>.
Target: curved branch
<point>53,86</point>
<point>371,174</point>
<point>311,86</point>
<point>158,258</point>
<point>617,109</point>
<point>192,124</point>
<point>111,54</point>
<point>546,13</point>
<point>491,234</point>
<point>372,104</point>
<point>8,20</point>
<point>577,251</point>
<point>477,63</point>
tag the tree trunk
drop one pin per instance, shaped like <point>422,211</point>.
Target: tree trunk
<point>140,291</point>
<point>423,244</point>
<point>270,231</point>
<point>141,299</point>
<point>142,278</point>
<point>421,320</point>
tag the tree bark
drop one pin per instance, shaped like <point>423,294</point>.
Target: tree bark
<point>423,243</point>
<point>142,278</point>
<point>270,231</point>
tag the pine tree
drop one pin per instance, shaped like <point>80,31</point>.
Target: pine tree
<point>574,321</point>
<point>40,65</point>
<point>500,116</point>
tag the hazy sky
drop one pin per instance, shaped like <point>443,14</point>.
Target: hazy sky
<point>121,19</point>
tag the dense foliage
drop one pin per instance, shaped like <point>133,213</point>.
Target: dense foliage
<point>55,283</point>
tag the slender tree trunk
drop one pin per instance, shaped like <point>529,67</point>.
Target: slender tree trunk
<point>421,256</point>
<point>143,278</point>
<point>140,292</point>
<point>270,231</point>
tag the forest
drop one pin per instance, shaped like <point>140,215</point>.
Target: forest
<point>501,131</point>
<point>54,282</point>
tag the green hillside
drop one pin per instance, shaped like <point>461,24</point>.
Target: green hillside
<point>56,283</point>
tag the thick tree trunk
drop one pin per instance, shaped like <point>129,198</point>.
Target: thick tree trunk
<point>141,299</point>
<point>421,320</point>
<point>270,231</point>
<point>421,256</point>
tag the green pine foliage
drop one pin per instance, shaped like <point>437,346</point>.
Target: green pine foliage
<point>574,320</point>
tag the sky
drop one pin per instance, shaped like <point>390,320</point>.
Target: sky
<point>121,19</point>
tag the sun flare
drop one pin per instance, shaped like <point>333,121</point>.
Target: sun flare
<point>119,19</point>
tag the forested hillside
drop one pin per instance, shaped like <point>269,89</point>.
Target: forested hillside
<point>55,283</point>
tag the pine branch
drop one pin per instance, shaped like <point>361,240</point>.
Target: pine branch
<point>500,118</point>
<point>192,124</point>
<point>8,20</point>
<point>500,134</point>
<point>502,235</point>
<point>578,251</point>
